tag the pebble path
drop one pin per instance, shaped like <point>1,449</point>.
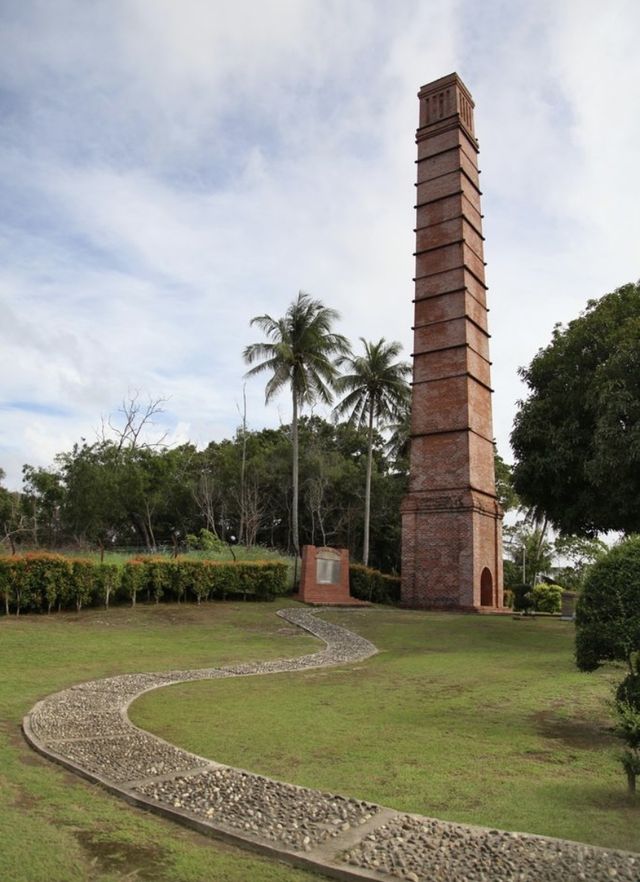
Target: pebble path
<point>86,729</point>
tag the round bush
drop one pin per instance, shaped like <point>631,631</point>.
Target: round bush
<point>628,692</point>
<point>547,598</point>
<point>608,609</point>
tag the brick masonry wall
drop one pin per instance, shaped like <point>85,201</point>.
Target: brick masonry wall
<point>451,534</point>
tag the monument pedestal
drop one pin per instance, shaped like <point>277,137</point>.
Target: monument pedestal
<point>325,577</point>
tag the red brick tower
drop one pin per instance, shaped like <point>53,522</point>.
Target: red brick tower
<point>451,520</point>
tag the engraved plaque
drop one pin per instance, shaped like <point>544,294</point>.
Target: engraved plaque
<point>325,576</point>
<point>328,569</point>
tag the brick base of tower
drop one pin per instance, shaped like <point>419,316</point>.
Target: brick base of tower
<point>452,552</point>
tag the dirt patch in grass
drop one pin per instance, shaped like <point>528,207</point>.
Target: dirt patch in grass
<point>24,801</point>
<point>16,739</point>
<point>147,861</point>
<point>575,732</point>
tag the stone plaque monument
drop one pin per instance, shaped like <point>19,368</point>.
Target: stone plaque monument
<point>325,576</point>
<point>451,519</point>
<point>568,605</point>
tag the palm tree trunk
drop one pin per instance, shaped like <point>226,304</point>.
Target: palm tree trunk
<point>294,442</point>
<point>367,492</point>
<point>543,532</point>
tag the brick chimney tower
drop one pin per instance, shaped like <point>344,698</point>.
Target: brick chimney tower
<point>451,519</point>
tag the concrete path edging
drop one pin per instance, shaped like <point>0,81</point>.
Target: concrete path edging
<point>86,729</point>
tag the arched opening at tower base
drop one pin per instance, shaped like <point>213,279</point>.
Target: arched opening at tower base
<point>486,588</point>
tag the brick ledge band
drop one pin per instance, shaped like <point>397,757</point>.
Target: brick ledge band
<point>86,729</point>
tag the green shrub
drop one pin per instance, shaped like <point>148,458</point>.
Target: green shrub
<point>6,581</point>
<point>368,584</point>
<point>108,577</point>
<point>34,581</point>
<point>547,598</point>
<point>608,608</point>
<point>222,579</point>
<point>205,540</point>
<point>196,579</point>
<point>46,577</point>
<point>54,576</point>
<point>628,691</point>
<point>522,598</point>
<point>132,579</point>
<point>262,579</point>
<point>507,598</point>
<point>159,575</point>
<point>81,583</point>
<point>107,582</point>
<point>22,587</point>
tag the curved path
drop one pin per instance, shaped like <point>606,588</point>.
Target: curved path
<point>86,729</point>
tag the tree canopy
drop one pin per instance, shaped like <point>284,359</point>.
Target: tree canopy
<point>576,438</point>
<point>98,494</point>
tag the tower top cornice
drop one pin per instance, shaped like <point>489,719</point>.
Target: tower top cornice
<point>445,102</point>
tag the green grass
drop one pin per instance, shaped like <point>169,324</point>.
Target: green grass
<point>58,828</point>
<point>241,552</point>
<point>477,719</point>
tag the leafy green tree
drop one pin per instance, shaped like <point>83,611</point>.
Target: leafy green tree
<point>301,352</point>
<point>531,549</point>
<point>13,520</point>
<point>91,509</point>
<point>581,552</point>
<point>579,429</point>
<point>505,491</point>
<point>111,494</point>
<point>377,389</point>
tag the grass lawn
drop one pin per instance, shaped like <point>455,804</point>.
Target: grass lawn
<point>477,719</point>
<point>471,718</point>
<point>57,828</point>
<point>238,552</point>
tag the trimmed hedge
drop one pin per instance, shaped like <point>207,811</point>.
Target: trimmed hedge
<point>41,582</point>
<point>368,584</point>
<point>174,580</point>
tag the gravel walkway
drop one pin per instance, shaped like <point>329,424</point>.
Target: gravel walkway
<point>86,728</point>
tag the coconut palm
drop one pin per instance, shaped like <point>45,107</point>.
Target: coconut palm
<point>399,440</point>
<point>301,352</point>
<point>377,390</point>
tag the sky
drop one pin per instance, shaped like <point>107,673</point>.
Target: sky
<point>171,168</point>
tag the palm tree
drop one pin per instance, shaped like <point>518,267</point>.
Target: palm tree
<point>377,389</point>
<point>302,352</point>
<point>398,444</point>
